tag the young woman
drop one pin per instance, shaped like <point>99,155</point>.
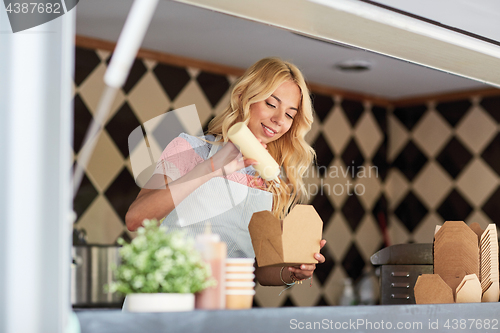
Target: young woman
<point>207,180</point>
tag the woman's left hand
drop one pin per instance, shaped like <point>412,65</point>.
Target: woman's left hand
<point>305,271</point>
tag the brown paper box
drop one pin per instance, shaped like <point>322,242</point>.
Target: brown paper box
<point>291,243</point>
<point>491,294</point>
<point>477,229</point>
<point>431,289</point>
<point>469,290</point>
<point>456,253</point>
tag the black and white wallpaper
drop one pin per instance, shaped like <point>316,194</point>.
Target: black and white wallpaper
<point>445,159</point>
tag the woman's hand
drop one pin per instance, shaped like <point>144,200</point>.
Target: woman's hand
<point>229,159</point>
<point>305,271</point>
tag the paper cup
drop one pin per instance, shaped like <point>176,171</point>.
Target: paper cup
<point>240,269</point>
<point>240,261</point>
<point>239,299</point>
<point>235,284</point>
<point>240,292</point>
<point>240,277</point>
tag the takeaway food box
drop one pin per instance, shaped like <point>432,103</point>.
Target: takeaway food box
<point>290,242</point>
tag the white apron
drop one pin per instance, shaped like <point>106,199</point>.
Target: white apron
<point>227,205</point>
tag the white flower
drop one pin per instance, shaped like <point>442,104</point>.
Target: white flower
<point>193,258</point>
<point>140,242</point>
<point>141,261</point>
<point>178,242</point>
<point>163,253</point>
<point>126,252</point>
<point>159,277</point>
<point>112,287</point>
<point>181,259</point>
<point>138,282</point>
<point>127,274</point>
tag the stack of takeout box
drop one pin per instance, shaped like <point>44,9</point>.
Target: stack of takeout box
<point>489,264</point>
<point>465,266</point>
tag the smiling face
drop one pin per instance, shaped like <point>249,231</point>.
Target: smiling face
<point>271,118</point>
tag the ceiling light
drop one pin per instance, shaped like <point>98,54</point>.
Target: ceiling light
<point>353,66</point>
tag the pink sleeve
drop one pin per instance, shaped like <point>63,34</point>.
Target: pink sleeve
<point>177,159</point>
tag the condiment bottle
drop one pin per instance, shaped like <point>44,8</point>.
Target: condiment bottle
<point>348,297</point>
<point>250,147</point>
<point>213,252</point>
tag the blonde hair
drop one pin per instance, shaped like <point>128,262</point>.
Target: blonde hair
<point>291,151</point>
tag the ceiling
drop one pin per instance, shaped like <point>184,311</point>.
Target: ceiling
<point>207,35</point>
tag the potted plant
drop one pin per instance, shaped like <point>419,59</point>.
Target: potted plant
<point>160,271</point>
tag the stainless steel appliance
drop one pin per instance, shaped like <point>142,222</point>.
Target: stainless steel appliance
<point>90,273</point>
<point>401,265</point>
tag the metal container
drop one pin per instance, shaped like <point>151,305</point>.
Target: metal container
<point>91,272</point>
<point>80,278</point>
<point>401,265</point>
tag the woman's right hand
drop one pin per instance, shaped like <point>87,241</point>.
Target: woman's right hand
<point>229,159</point>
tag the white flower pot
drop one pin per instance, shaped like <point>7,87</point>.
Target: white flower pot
<point>158,302</point>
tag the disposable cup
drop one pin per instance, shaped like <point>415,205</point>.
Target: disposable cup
<point>240,261</point>
<point>240,292</point>
<point>240,284</point>
<point>239,288</point>
<point>239,299</point>
<point>240,277</point>
<point>240,269</point>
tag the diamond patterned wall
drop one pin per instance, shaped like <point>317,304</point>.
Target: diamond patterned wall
<point>447,167</point>
<point>381,177</point>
